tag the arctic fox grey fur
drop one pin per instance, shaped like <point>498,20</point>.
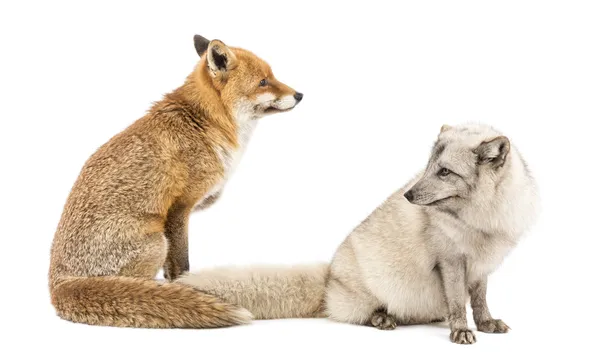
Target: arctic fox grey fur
<point>419,256</point>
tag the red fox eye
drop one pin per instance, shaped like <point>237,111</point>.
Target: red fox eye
<point>262,83</point>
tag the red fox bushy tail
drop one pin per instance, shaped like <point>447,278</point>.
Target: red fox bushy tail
<point>132,302</point>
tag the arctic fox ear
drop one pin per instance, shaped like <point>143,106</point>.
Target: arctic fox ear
<point>201,44</point>
<point>220,58</point>
<point>444,128</point>
<point>493,152</point>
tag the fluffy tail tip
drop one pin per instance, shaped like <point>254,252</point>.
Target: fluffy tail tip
<point>242,316</point>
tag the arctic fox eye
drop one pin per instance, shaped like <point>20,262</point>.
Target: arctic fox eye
<point>262,83</point>
<point>443,172</point>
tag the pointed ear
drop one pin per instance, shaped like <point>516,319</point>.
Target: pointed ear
<point>201,44</point>
<point>493,152</point>
<point>220,58</point>
<point>444,128</point>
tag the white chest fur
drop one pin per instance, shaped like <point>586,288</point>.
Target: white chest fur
<point>230,158</point>
<point>484,251</point>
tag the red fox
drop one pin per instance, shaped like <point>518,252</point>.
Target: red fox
<point>127,214</point>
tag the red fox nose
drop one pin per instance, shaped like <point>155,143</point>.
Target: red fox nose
<point>298,96</point>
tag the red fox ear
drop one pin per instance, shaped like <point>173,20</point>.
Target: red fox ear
<point>201,44</point>
<point>220,58</point>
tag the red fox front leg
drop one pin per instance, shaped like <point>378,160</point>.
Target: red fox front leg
<point>176,232</point>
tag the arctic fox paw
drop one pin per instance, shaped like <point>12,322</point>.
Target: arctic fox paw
<point>493,326</point>
<point>462,336</point>
<point>382,320</point>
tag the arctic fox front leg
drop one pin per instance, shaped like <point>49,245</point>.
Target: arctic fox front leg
<point>481,313</point>
<point>453,272</point>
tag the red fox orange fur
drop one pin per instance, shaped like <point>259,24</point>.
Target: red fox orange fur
<point>127,214</point>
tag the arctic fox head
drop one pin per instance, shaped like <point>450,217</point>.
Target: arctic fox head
<point>466,164</point>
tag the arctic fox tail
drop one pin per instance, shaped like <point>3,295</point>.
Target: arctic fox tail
<point>267,292</point>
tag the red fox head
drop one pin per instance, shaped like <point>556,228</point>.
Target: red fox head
<point>245,82</point>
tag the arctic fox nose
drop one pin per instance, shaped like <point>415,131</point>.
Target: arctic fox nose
<point>409,196</point>
<point>298,96</point>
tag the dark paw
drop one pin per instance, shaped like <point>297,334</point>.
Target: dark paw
<point>171,275</point>
<point>462,336</point>
<point>493,326</point>
<point>382,320</point>
<point>173,271</point>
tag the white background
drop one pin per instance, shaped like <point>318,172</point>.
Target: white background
<point>379,81</point>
